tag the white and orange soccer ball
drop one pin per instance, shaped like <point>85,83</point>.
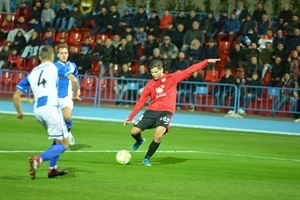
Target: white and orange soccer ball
<point>123,157</point>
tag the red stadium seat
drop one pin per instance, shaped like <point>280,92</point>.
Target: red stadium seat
<point>59,35</point>
<point>74,37</point>
<point>6,77</point>
<point>102,36</point>
<point>31,63</point>
<point>18,76</point>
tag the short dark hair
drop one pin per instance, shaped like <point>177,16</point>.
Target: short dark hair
<point>156,63</point>
<point>46,52</point>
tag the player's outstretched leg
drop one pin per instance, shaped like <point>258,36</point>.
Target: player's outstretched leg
<point>152,149</point>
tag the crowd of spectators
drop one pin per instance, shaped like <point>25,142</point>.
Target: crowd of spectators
<point>258,46</point>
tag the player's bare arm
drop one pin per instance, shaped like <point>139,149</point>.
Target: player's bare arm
<point>17,103</point>
<point>75,88</point>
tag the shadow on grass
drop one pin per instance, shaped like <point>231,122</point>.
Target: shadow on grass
<point>78,147</point>
<point>169,160</point>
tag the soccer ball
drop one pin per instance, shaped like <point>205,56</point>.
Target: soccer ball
<point>123,157</point>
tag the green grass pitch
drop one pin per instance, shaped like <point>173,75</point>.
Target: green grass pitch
<point>190,164</point>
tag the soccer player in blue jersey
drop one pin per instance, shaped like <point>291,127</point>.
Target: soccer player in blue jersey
<point>64,87</point>
<point>43,81</point>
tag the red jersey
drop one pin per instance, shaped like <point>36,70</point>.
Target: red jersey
<point>163,92</point>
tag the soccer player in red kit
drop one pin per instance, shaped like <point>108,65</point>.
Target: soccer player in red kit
<point>162,91</point>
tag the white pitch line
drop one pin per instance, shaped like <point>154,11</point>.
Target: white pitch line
<point>197,152</point>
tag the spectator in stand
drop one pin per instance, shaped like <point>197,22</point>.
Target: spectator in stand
<point>192,16</point>
<point>223,90</point>
<point>140,18</point>
<point>35,17</point>
<point>116,41</point>
<point>157,55</point>
<point>211,51</point>
<point>99,5</point>
<point>180,63</point>
<point>165,20</point>
<point>149,46</point>
<point>167,62</point>
<point>241,11</point>
<point>106,58</point>
<point>73,55</point>
<point>231,29</point>
<point>142,74</point>
<point>252,51</point>
<point>128,31</point>
<point>196,77</point>
<point>60,14</point>
<point>292,41</point>
<point>195,53</point>
<point>191,34</point>
<point>84,61</point>
<point>130,44</point>
<point>221,23</point>
<point>19,42</point>
<point>140,36</point>
<point>14,59</point>
<point>23,11</point>
<point>48,38</point>
<point>281,52</point>
<point>292,25</point>
<point>124,54</point>
<point>294,65</point>
<point>169,31</point>
<point>249,38</point>
<point>4,53</point>
<point>253,92</point>
<point>286,14</point>
<point>237,56</point>
<point>98,47</point>
<point>21,24</point>
<point>100,23</point>
<point>32,46</point>
<point>181,19</point>
<point>125,21</point>
<point>152,26</point>
<point>277,70</point>
<point>113,20</point>
<point>121,87</point>
<point>268,37</point>
<point>5,6</point>
<point>279,38</point>
<point>73,19</point>
<point>239,81</point>
<point>208,25</point>
<point>264,25</point>
<point>87,43</point>
<point>265,58</point>
<point>247,24</point>
<point>47,16</point>
<point>6,26</point>
<point>253,66</point>
<point>258,12</point>
<point>177,36</point>
<point>169,47</point>
<point>287,85</point>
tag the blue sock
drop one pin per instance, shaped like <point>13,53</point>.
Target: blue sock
<point>53,151</point>
<point>53,162</point>
<point>69,125</point>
